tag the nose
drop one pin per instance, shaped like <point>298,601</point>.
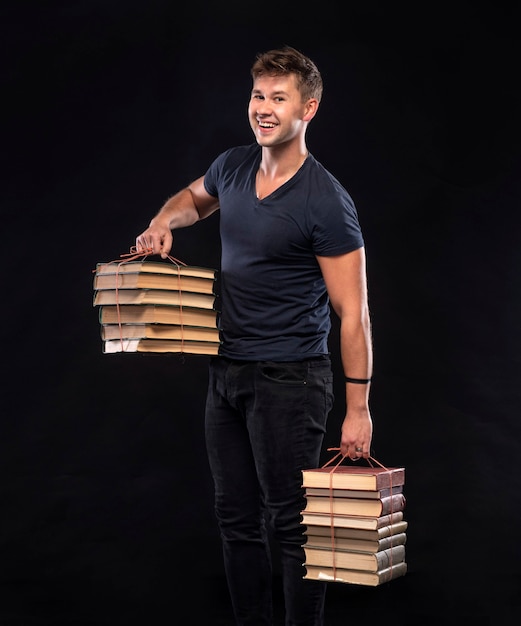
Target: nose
<point>263,107</point>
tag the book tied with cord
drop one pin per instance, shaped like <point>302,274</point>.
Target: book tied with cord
<point>160,307</point>
<point>353,523</point>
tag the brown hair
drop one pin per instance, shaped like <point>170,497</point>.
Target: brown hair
<point>285,61</point>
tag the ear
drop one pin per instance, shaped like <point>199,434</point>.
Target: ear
<point>310,109</point>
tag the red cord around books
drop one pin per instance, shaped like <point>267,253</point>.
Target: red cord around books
<point>134,255</point>
<point>345,456</point>
<point>370,460</point>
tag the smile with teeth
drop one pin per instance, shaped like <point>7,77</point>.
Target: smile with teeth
<point>266,125</point>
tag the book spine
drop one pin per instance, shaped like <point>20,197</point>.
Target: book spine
<point>391,573</point>
<point>386,558</point>
<point>392,504</point>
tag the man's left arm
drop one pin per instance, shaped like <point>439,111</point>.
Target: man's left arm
<point>346,283</point>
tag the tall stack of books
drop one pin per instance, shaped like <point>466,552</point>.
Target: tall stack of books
<point>354,524</point>
<point>155,306</point>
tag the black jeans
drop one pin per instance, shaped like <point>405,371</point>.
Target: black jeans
<point>265,422</point>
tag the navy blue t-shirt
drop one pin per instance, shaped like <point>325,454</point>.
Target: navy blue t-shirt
<point>274,303</point>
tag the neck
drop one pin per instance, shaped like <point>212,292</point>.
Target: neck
<point>281,162</point>
<point>274,172</point>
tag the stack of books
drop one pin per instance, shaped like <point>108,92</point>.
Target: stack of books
<point>154,306</point>
<point>354,524</point>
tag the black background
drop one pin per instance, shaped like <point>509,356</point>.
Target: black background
<point>110,107</point>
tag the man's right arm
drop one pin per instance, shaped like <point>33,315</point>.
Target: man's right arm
<point>186,207</point>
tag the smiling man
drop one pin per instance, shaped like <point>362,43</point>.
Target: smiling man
<point>291,247</point>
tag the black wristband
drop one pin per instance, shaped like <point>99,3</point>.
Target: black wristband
<point>357,381</point>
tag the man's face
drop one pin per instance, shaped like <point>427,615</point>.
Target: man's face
<point>276,111</point>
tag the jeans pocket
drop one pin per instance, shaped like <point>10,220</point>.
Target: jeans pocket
<point>285,373</point>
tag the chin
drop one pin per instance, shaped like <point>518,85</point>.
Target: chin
<point>266,142</point>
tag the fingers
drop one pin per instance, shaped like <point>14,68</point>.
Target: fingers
<point>153,243</point>
<point>355,451</point>
<point>356,436</point>
<point>358,453</point>
<point>142,244</point>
